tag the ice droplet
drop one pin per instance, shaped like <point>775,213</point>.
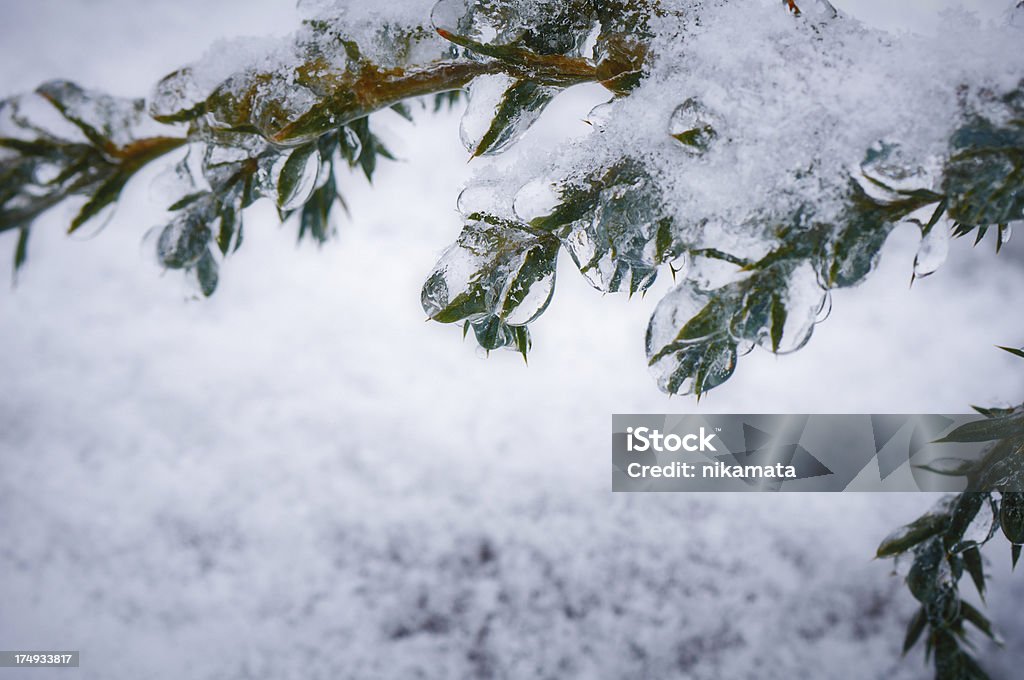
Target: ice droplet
<point>177,96</point>
<point>536,199</point>
<point>681,304</point>
<point>484,96</point>
<point>353,145</point>
<point>500,111</point>
<point>481,197</point>
<point>676,365</point>
<point>600,115</point>
<point>693,126</point>
<point>933,250</point>
<point>289,178</point>
<point>183,241</point>
<point>804,300</point>
<point>887,172</point>
<point>980,530</point>
<point>465,18</point>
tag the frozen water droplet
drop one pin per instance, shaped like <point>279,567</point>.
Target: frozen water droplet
<point>177,96</point>
<point>353,145</point>
<point>887,171</point>
<point>492,271</point>
<point>306,170</point>
<point>681,304</point>
<point>499,112</point>
<point>278,104</point>
<point>709,273</point>
<point>466,18</point>
<point>981,529</point>
<point>804,300</point>
<point>291,177</point>
<point>823,10</point>
<point>482,197</point>
<point>182,242</point>
<point>538,198</point>
<point>485,94</point>
<point>697,363</point>
<point>601,114</point>
<point>933,250</point>
<point>693,126</point>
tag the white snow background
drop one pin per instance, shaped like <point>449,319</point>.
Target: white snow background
<point>299,478</point>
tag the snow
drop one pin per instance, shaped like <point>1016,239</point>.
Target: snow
<point>299,478</point>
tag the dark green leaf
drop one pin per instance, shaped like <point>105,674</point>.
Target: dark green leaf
<point>976,568</point>
<point>106,195</point>
<point>965,509</point>
<point>227,228</point>
<point>907,537</point>
<point>402,109</point>
<point>293,172</point>
<point>1016,351</point>
<point>984,178</point>
<point>207,274</point>
<point>1011,516</point>
<point>987,429</point>
<point>979,620</point>
<point>778,321</point>
<point>917,624</point>
<point>20,250</point>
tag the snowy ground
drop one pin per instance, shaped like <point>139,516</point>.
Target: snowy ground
<point>299,478</point>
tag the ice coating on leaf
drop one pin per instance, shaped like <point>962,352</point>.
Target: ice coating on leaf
<point>780,316</point>
<point>495,269</point>
<point>980,529</point>
<point>65,140</point>
<point>692,125</point>
<point>342,64</point>
<point>933,250</point>
<point>539,26</point>
<point>611,224</point>
<point>499,112</point>
<point>485,94</point>
<point>490,196</point>
<point>177,97</point>
<point>183,241</point>
<point>110,122</point>
<point>294,177</point>
<point>887,172</point>
<point>688,346</point>
<point>537,199</point>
